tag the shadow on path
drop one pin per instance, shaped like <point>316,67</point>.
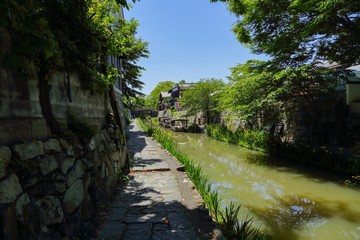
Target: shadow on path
<point>158,202</point>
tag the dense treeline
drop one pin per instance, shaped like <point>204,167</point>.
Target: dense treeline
<point>296,32</point>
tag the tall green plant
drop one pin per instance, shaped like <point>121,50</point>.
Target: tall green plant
<point>257,140</point>
<point>227,218</point>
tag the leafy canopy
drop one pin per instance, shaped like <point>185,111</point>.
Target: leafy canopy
<point>203,98</point>
<point>73,36</point>
<point>135,103</point>
<point>129,49</point>
<point>262,96</point>
<point>250,92</point>
<point>295,32</point>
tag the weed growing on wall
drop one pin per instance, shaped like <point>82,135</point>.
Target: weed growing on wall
<point>257,140</point>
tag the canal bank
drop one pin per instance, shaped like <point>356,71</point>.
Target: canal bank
<point>158,202</point>
<point>287,201</point>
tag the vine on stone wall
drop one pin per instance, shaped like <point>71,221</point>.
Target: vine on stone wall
<point>70,35</point>
<point>49,36</point>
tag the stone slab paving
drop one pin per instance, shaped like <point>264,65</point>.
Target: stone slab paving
<point>150,206</point>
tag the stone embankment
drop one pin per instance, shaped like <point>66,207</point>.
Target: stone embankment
<point>159,202</point>
<point>50,189</point>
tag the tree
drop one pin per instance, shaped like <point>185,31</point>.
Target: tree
<point>263,98</point>
<point>136,103</point>
<point>130,49</point>
<point>295,32</point>
<point>252,94</point>
<point>153,99</point>
<point>203,98</point>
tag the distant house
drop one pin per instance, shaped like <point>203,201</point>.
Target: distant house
<point>164,101</point>
<point>349,81</point>
<point>177,92</point>
<point>171,98</point>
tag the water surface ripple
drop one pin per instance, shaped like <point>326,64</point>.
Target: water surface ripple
<point>290,201</point>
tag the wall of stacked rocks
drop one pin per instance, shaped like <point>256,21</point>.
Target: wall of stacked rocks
<point>50,189</point>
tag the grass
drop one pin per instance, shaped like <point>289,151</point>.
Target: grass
<point>146,124</point>
<point>226,218</point>
<point>257,140</point>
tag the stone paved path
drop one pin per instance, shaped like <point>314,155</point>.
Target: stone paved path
<point>156,203</point>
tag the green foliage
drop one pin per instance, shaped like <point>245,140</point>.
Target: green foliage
<point>135,103</point>
<point>318,156</point>
<point>153,99</point>
<point>124,3</point>
<point>73,36</point>
<point>146,125</point>
<point>257,140</point>
<point>294,34</point>
<point>244,230</point>
<point>129,49</point>
<point>297,31</point>
<point>227,219</point>
<point>252,94</point>
<point>262,95</point>
<point>204,98</point>
<point>214,203</point>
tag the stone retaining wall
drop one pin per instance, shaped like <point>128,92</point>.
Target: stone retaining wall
<point>54,186</point>
<point>20,111</point>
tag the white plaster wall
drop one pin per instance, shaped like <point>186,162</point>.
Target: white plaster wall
<point>352,93</point>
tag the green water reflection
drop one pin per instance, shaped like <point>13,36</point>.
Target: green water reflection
<point>291,202</point>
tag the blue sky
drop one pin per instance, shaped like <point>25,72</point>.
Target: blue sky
<point>189,40</point>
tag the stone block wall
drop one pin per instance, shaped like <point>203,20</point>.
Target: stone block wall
<point>304,125</point>
<point>21,116</point>
<point>67,95</point>
<point>53,186</point>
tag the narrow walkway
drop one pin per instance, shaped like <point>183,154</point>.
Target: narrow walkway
<point>159,202</point>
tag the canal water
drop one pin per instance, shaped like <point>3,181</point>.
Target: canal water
<point>290,202</point>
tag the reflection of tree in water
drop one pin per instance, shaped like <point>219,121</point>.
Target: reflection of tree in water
<point>294,211</point>
<point>257,159</point>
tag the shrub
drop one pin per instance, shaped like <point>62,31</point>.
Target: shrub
<point>257,140</point>
<point>318,156</point>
